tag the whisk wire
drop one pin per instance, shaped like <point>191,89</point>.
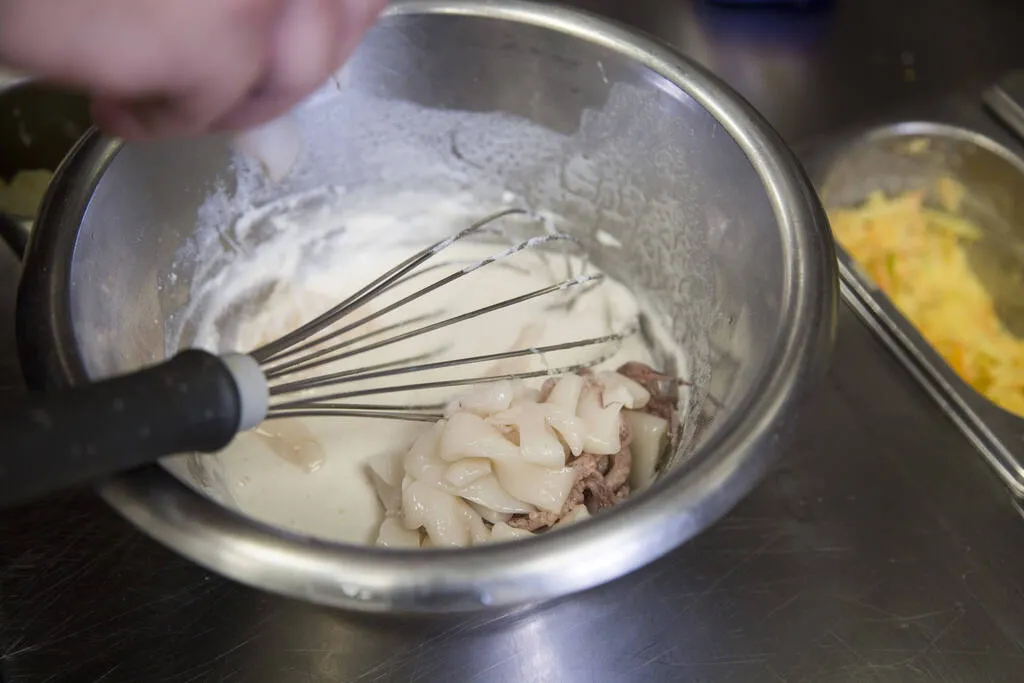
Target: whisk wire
<point>361,374</point>
<point>439,384</point>
<point>304,363</point>
<point>342,412</point>
<point>329,355</point>
<point>317,344</point>
<point>374,288</point>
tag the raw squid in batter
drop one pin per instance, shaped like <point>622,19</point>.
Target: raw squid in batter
<point>508,460</point>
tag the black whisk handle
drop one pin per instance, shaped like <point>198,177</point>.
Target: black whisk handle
<point>195,401</point>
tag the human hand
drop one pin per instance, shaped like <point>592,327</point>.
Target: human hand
<point>157,68</point>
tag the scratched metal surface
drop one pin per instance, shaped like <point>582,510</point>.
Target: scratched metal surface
<point>881,550</point>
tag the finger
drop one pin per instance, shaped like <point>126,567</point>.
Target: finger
<point>202,60</point>
<point>141,118</point>
<point>128,49</point>
<point>153,117</point>
<point>116,120</point>
<point>188,113</point>
<point>259,107</point>
<point>313,41</point>
<point>302,58</point>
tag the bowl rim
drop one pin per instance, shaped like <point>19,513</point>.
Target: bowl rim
<point>641,529</point>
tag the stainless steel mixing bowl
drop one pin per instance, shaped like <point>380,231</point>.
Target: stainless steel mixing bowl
<point>718,226</point>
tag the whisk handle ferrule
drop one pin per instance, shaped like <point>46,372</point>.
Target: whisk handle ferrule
<point>55,440</point>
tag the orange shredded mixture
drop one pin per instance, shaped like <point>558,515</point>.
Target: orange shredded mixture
<point>916,255</point>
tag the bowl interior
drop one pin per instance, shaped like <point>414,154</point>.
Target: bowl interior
<point>479,105</point>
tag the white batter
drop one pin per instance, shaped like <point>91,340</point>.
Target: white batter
<point>307,474</point>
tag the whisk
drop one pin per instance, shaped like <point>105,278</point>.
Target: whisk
<point>198,401</point>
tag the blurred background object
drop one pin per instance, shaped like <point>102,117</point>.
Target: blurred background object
<point>38,126</point>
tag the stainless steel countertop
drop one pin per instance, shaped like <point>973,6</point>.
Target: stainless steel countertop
<point>881,549</point>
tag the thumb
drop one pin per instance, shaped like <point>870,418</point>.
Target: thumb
<point>312,41</point>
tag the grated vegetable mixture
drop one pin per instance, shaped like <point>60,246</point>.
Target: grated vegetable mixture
<point>917,256</point>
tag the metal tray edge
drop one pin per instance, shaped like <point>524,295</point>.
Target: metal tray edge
<point>894,334</point>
